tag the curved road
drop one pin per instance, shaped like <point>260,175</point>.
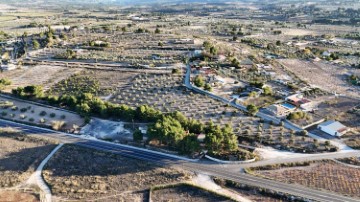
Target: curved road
<point>230,172</point>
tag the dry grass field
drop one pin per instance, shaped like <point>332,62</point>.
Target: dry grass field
<point>332,77</point>
<point>330,176</point>
<point>19,156</point>
<point>104,176</point>
<point>340,108</point>
<point>37,75</point>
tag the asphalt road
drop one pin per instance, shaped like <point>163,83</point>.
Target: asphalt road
<point>230,172</point>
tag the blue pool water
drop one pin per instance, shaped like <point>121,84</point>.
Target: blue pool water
<point>289,106</point>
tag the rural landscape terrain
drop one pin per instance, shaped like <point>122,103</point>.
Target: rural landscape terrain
<point>169,100</point>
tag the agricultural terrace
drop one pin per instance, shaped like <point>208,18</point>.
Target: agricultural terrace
<point>18,110</point>
<point>166,93</point>
<point>133,46</point>
<point>98,82</point>
<point>332,77</point>
<point>326,175</point>
<point>44,75</point>
<point>253,193</point>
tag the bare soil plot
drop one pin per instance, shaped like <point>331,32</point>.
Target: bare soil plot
<point>185,192</point>
<point>323,75</point>
<point>19,156</point>
<point>340,108</point>
<point>36,114</point>
<point>111,80</point>
<point>104,176</point>
<point>37,75</point>
<point>250,193</point>
<point>11,196</point>
<point>321,175</point>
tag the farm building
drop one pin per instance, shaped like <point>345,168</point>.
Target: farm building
<point>333,128</point>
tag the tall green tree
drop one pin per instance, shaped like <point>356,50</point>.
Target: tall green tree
<point>252,109</point>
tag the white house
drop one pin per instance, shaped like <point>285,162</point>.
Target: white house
<point>333,128</point>
<point>280,110</point>
<point>301,102</point>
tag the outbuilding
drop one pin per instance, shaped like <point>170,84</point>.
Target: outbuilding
<point>333,128</point>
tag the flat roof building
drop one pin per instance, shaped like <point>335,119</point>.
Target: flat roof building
<point>333,128</point>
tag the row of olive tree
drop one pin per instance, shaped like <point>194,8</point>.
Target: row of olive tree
<point>173,129</point>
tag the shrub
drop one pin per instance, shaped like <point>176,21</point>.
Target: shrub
<point>175,71</point>
<point>42,113</point>
<point>23,110</point>
<point>138,135</point>
<point>42,120</point>
<point>252,109</point>
<point>52,115</point>
<point>57,125</point>
<point>199,81</point>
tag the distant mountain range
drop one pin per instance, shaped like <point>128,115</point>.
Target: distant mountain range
<point>133,2</point>
<point>121,2</point>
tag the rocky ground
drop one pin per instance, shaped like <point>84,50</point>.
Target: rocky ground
<point>104,176</point>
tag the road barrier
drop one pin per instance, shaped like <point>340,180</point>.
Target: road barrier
<point>229,162</point>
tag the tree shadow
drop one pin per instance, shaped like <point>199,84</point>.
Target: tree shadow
<point>83,160</point>
<point>24,159</point>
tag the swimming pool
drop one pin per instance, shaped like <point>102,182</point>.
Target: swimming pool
<point>287,105</point>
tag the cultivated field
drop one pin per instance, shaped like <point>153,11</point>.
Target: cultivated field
<point>166,92</point>
<point>320,175</point>
<point>104,176</point>
<point>251,193</point>
<point>323,75</point>
<point>100,82</point>
<point>18,110</point>
<point>37,75</point>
